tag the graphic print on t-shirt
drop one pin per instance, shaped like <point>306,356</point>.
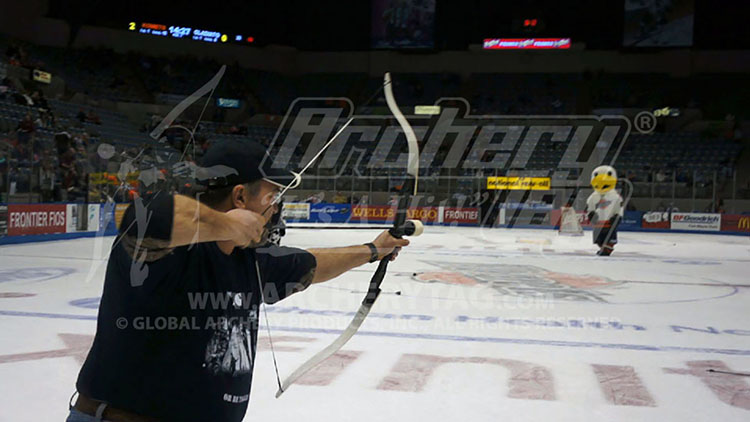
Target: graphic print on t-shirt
<point>230,349</point>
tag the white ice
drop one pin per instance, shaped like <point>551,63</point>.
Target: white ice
<point>515,323</point>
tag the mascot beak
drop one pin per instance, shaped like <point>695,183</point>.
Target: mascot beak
<point>603,183</point>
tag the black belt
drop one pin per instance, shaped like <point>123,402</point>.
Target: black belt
<point>104,412</point>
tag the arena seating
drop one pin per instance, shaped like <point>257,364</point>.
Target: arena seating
<point>682,157</point>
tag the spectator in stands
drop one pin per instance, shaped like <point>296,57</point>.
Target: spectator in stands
<point>700,179</point>
<point>25,129</point>
<point>11,52</point>
<point>92,117</point>
<point>20,153</point>
<point>15,54</point>
<point>47,117</point>
<point>82,186</point>
<point>315,198</point>
<point>47,180</point>
<point>715,206</point>
<point>204,144</point>
<point>62,142</point>
<point>39,100</point>
<point>68,168</point>
<point>3,171</point>
<point>6,128</point>
<point>38,122</point>
<point>21,98</point>
<point>5,86</point>
<point>732,128</point>
<point>80,142</point>
<point>155,120</point>
<point>12,179</point>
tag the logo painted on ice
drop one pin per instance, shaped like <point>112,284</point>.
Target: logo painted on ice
<point>531,282</point>
<point>34,274</point>
<point>523,281</point>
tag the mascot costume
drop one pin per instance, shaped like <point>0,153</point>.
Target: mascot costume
<point>604,209</point>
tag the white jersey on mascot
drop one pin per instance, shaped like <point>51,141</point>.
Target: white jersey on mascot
<point>604,208</point>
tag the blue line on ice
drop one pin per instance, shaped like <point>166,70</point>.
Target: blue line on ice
<point>448,337</point>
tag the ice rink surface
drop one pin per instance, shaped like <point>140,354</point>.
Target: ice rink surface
<point>479,325</point>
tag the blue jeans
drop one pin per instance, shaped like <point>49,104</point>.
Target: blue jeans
<point>76,416</point>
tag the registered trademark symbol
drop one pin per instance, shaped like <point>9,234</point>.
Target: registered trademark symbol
<point>645,122</point>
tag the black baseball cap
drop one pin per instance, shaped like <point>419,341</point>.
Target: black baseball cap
<point>233,162</point>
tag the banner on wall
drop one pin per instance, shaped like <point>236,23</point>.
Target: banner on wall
<point>518,183</point>
<point>296,211</point>
<point>735,223</point>
<point>632,220</point>
<point>82,218</point>
<point>36,219</point>
<point>530,205</point>
<point>119,214</point>
<point>425,214</point>
<point>41,76</point>
<point>460,215</point>
<point>75,218</point>
<point>556,215</point>
<point>376,213</point>
<point>696,221</point>
<point>384,213</point>
<point>3,220</point>
<point>93,217</point>
<point>330,213</point>
<point>655,220</point>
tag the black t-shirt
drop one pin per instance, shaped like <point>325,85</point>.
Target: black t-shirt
<point>177,328</point>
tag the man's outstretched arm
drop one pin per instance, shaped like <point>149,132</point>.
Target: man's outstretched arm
<point>332,262</point>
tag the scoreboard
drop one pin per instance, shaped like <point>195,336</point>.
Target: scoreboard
<point>185,32</point>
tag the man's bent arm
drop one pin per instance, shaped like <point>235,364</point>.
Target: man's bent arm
<point>195,223</point>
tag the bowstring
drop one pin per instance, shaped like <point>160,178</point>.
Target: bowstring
<point>298,176</point>
<point>274,201</point>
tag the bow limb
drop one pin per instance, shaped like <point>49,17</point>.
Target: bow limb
<point>208,88</point>
<point>412,166</point>
<point>409,188</point>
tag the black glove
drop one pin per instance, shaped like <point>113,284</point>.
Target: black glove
<point>591,216</point>
<point>614,221</point>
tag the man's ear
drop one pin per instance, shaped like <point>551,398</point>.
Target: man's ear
<point>238,196</point>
